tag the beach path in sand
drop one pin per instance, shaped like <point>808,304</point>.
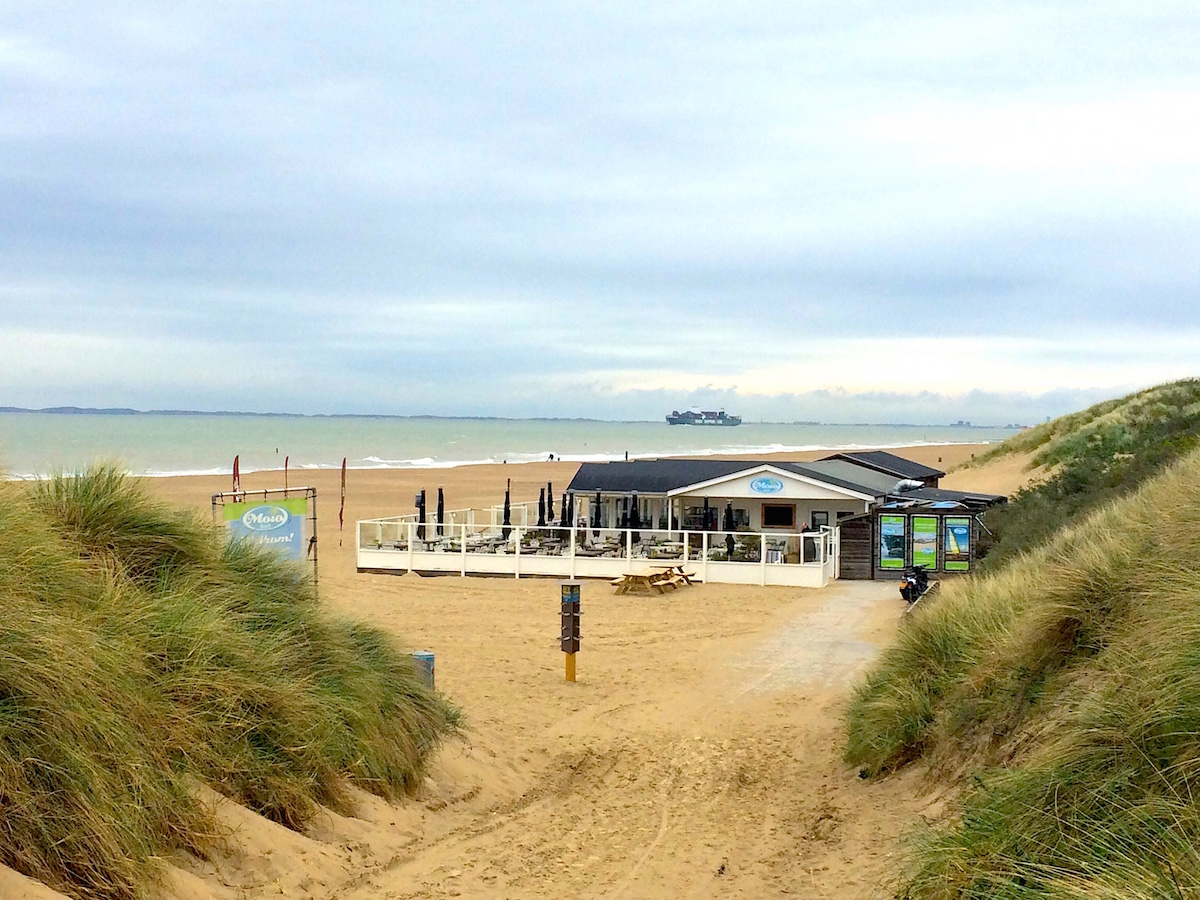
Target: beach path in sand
<point>698,754</point>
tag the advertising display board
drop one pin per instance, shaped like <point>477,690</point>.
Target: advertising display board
<point>957,544</point>
<point>925,541</point>
<point>891,542</point>
<point>272,523</point>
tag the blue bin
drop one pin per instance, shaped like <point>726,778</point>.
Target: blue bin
<point>423,665</point>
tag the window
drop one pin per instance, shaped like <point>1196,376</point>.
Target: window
<point>778,515</point>
<point>819,519</point>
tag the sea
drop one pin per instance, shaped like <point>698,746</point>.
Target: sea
<point>34,443</point>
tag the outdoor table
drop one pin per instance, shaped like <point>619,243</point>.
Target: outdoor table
<point>673,571</point>
<point>652,578</point>
<point>638,581</point>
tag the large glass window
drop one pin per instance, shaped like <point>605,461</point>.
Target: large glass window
<point>779,515</point>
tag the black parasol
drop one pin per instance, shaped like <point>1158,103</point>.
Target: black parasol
<point>441,512</point>
<point>507,521</point>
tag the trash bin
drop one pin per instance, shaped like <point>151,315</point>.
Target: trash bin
<point>423,665</point>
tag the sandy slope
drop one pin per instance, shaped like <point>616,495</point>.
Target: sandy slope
<point>1005,475</point>
<point>697,755</point>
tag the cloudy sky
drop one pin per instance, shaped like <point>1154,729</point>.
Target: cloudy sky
<point>846,211</point>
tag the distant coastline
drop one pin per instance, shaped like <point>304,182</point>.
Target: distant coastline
<point>127,411</point>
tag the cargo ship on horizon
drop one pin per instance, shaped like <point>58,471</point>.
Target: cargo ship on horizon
<point>702,417</point>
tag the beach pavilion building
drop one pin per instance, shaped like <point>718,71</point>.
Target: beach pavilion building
<point>728,520</point>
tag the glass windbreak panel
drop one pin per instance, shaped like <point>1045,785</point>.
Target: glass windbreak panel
<point>778,515</point>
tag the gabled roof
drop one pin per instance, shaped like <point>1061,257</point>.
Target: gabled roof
<point>651,476</point>
<point>794,471</point>
<point>878,482</point>
<point>661,476</point>
<point>888,463</point>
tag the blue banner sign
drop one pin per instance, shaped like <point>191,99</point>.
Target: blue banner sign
<point>277,524</point>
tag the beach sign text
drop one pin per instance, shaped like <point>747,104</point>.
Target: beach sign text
<point>766,485</point>
<point>278,524</point>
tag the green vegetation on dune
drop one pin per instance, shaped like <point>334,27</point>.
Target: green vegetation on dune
<point>1062,692</point>
<point>1091,457</point>
<point>141,655</point>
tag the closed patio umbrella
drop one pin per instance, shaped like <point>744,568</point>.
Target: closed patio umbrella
<point>507,521</point>
<point>596,514</point>
<point>564,519</point>
<point>421,514</point>
<point>549,503</point>
<point>570,509</point>
<point>441,512</point>
<point>635,519</point>
<point>624,512</point>
<point>727,527</point>
<point>542,508</point>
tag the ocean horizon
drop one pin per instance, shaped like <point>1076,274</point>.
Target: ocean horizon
<point>180,442</point>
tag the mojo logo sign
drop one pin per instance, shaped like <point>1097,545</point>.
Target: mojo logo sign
<point>265,518</point>
<point>277,525</point>
<point>766,485</point>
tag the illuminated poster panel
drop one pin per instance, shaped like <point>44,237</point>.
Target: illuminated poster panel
<point>925,541</point>
<point>957,544</point>
<point>891,542</point>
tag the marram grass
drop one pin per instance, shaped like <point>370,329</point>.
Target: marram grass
<point>141,655</point>
<point>1066,689</point>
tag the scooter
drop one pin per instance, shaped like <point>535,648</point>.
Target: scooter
<point>915,584</point>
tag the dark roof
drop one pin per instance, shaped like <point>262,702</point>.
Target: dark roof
<point>659,476</point>
<point>877,483</point>
<point>651,476</point>
<point>926,497</point>
<point>889,463</point>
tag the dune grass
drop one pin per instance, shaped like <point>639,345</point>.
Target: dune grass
<point>1065,691</point>
<point>141,655</point>
<point>1090,458</point>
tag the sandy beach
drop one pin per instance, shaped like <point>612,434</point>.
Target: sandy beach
<point>698,754</point>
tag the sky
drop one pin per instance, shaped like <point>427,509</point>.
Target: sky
<point>838,211</point>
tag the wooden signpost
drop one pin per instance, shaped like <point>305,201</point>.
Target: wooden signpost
<point>570,624</point>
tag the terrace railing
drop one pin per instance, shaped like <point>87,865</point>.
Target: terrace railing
<point>399,544</point>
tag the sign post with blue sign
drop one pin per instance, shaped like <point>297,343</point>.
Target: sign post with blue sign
<point>278,524</point>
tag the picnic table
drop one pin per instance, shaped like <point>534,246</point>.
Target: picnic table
<point>654,579</point>
<point>673,571</point>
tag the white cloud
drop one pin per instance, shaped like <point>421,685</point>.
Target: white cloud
<point>452,209</point>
